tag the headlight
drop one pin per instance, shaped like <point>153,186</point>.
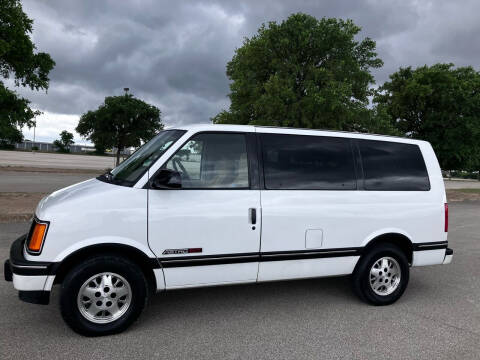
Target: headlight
<point>36,236</point>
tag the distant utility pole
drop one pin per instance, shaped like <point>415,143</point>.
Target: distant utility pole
<point>126,89</point>
<point>34,127</point>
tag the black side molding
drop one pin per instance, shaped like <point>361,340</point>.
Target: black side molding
<point>449,251</point>
<point>222,259</point>
<point>35,297</point>
<point>435,245</point>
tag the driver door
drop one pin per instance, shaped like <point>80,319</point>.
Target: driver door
<point>208,231</point>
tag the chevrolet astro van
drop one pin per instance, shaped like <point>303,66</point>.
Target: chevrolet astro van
<point>222,204</point>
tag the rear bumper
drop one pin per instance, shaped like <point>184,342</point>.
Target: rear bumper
<point>28,277</point>
<point>448,256</point>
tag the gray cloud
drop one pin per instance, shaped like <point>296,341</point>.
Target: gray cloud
<point>173,53</point>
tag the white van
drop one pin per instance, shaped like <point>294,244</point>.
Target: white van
<point>212,205</point>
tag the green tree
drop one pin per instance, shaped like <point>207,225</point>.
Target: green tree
<point>66,139</point>
<point>100,149</point>
<point>19,60</point>
<point>121,121</point>
<point>439,104</point>
<point>305,73</point>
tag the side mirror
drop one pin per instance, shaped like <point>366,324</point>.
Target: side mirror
<point>167,179</point>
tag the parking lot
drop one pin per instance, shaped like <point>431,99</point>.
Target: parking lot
<point>437,318</point>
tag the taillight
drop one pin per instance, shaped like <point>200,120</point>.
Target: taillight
<point>37,236</point>
<point>446,217</point>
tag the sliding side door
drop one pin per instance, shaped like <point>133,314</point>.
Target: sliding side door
<point>310,207</point>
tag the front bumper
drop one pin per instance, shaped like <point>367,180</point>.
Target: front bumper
<point>29,277</point>
<point>7,270</point>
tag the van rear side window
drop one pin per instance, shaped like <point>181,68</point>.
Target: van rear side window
<point>390,166</point>
<point>298,162</point>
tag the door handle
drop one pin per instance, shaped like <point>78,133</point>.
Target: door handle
<point>252,214</point>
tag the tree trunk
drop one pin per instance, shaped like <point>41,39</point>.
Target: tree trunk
<point>118,156</point>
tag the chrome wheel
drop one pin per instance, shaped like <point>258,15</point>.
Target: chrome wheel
<point>104,298</point>
<point>385,276</point>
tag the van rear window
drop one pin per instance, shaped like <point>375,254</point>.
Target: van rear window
<point>393,166</point>
<point>297,162</point>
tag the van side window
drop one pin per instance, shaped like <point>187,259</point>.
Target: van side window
<point>212,161</point>
<point>393,166</point>
<point>300,162</point>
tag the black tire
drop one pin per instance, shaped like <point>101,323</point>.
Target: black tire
<point>361,275</point>
<point>78,275</point>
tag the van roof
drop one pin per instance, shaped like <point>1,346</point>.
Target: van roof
<point>296,131</point>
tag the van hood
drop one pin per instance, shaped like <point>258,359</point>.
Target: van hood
<point>74,197</point>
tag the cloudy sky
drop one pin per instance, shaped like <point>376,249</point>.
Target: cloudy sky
<point>173,53</point>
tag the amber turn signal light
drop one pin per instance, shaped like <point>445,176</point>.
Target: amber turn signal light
<point>37,237</point>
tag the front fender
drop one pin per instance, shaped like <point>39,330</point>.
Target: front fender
<point>104,240</point>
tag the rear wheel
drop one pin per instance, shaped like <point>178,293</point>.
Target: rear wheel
<point>382,275</point>
<point>103,295</point>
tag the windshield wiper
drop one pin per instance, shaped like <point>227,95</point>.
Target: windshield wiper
<point>107,177</point>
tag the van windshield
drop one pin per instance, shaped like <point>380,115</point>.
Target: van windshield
<point>132,169</point>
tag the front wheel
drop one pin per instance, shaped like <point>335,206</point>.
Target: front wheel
<point>103,295</point>
<point>382,275</point>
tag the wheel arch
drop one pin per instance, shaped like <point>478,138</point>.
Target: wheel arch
<point>398,239</point>
<point>134,254</point>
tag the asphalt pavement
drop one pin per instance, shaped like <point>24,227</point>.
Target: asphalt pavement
<point>55,160</point>
<point>33,182</point>
<point>462,184</point>
<point>437,318</point>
